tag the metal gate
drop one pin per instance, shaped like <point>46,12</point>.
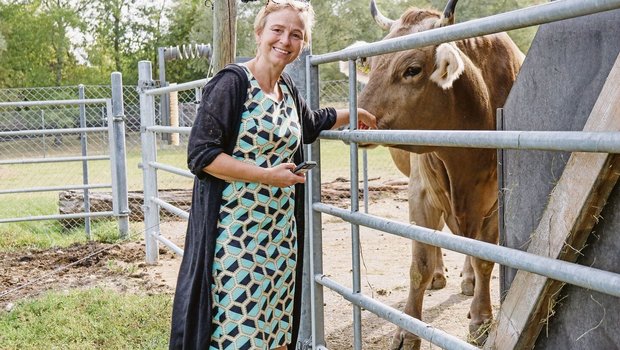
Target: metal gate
<point>31,156</point>
<point>579,275</point>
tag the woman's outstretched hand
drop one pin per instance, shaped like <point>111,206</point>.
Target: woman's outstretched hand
<point>366,120</point>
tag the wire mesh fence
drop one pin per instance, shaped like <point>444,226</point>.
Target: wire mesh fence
<point>17,172</point>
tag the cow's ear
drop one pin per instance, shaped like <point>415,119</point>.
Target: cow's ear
<point>448,65</point>
<point>362,66</point>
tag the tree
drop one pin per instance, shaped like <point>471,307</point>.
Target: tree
<point>63,17</point>
<point>26,59</point>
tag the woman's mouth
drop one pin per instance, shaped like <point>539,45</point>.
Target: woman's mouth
<point>284,52</point>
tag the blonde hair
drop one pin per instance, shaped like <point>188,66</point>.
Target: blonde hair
<point>304,9</point>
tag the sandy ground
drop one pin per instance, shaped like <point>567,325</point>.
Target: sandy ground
<point>384,273</point>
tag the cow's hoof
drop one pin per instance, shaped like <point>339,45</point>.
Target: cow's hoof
<point>478,333</point>
<point>439,281</point>
<point>467,287</point>
<point>403,340</point>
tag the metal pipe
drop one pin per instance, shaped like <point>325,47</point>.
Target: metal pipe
<point>171,169</point>
<point>52,103</point>
<point>116,122</point>
<point>355,229</point>
<point>314,253</point>
<point>579,275</point>
<point>52,131</point>
<point>149,155</point>
<point>530,16</point>
<point>413,325</point>
<point>167,243</point>
<point>178,87</point>
<point>569,141</point>
<point>170,129</point>
<point>58,217</point>
<point>52,160</point>
<point>84,148</point>
<point>171,208</point>
<point>54,188</point>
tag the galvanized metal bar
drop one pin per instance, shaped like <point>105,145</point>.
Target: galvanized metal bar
<point>51,131</point>
<point>579,275</point>
<point>116,122</point>
<point>54,188</point>
<point>172,169</point>
<point>52,160</point>
<point>58,217</point>
<point>149,155</point>
<point>314,253</point>
<point>170,129</point>
<point>569,141</point>
<point>53,103</point>
<point>399,318</point>
<point>168,243</point>
<point>355,229</point>
<point>84,148</point>
<point>530,16</point>
<point>171,208</point>
<point>177,87</point>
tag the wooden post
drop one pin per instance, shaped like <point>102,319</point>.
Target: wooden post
<point>174,115</point>
<point>573,209</point>
<point>224,33</point>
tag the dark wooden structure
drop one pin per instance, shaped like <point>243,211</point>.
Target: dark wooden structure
<point>567,83</point>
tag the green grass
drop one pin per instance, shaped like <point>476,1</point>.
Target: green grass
<point>335,161</point>
<point>91,319</point>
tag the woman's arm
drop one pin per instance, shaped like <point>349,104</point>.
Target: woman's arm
<point>227,168</point>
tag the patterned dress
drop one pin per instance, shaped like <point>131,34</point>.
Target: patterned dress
<point>256,248</point>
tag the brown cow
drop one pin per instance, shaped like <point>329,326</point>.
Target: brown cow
<point>451,86</point>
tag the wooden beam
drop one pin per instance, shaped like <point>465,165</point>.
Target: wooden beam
<point>573,209</point>
<point>224,33</point>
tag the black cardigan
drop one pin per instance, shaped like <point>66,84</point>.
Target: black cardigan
<point>215,131</point>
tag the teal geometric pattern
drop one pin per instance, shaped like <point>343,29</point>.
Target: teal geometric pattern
<point>256,248</point>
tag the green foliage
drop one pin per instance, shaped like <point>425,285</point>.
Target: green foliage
<point>63,42</point>
<point>92,319</point>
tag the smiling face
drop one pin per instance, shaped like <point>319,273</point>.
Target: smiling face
<point>281,40</point>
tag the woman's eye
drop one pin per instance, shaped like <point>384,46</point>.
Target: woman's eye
<point>412,72</point>
<point>298,36</point>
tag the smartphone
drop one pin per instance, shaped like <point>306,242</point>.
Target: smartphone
<point>304,167</point>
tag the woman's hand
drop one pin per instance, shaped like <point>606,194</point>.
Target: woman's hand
<point>365,120</point>
<point>227,168</point>
<point>282,175</point>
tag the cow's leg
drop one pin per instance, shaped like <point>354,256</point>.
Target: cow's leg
<point>420,276</point>
<point>468,278</point>
<point>425,266</point>
<point>424,211</point>
<point>481,311</point>
<point>439,277</point>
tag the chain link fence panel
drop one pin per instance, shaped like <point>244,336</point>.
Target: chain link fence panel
<point>171,149</point>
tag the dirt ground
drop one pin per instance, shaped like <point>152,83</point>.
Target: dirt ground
<point>384,272</point>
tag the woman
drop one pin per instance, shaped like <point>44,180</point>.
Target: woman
<point>239,284</point>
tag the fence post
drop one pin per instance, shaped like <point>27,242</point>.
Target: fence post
<point>84,144</point>
<point>149,154</point>
<point>119,178</point>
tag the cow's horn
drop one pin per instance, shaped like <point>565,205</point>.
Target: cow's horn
<point>381,20</point>
<point>448,13</point>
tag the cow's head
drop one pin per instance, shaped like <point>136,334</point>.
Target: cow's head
<point>418,88</point>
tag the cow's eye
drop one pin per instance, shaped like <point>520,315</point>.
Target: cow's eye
<point>412,72</point>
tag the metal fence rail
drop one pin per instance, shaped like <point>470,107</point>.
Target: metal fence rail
<point>150,164</point>
<point>27,137</point>
<point>603,281</point>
